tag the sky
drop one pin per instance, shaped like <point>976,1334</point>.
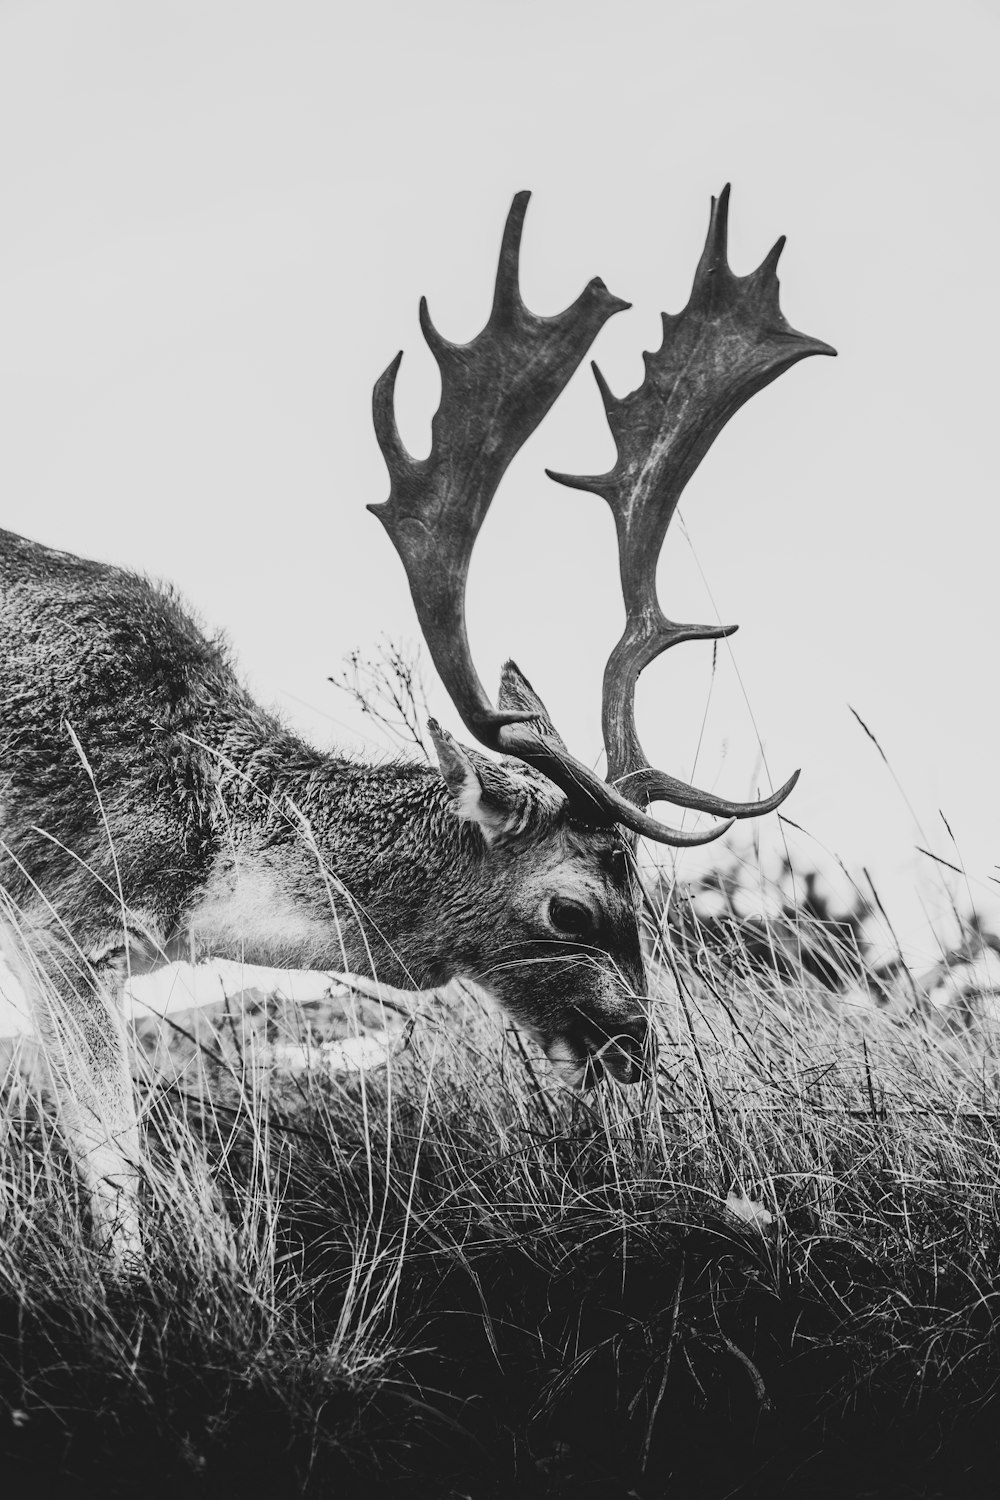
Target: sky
<point>217,219</point>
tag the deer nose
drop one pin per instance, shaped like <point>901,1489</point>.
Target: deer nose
<point>623,1051</point>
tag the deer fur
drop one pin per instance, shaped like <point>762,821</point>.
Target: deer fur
<point>149,808</point>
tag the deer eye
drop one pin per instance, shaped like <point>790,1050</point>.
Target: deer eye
<point>571,918</point>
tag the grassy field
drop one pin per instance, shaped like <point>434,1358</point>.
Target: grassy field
<point>773,1270</point>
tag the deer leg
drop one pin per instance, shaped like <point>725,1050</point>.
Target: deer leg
<point>80,1024</point>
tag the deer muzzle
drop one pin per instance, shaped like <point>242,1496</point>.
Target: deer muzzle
<point>581,1059</point>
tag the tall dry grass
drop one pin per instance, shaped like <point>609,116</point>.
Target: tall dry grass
<point>770,1269</point>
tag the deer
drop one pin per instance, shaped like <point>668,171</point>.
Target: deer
<point>150,808</point>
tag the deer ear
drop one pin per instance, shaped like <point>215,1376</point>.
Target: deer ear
<point>516,692</point>
<point>482,791</point>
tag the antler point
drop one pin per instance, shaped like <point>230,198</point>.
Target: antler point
<point>384,417</point>
<point>611,401</point>
<point>388,375</point>
<point>596,484</point>
<point>769,265</point>
<point>506,292</point>
<point>613,303</point>
<point>426,325</point>
<point>807,345</point>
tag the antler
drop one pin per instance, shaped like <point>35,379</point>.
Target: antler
<point>729,342</point>
<point>494,392</point>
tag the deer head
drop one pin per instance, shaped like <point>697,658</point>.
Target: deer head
<point>574,970</point>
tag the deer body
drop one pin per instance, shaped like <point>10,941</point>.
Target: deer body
<point>149,807</point>
<point>179,817</point>
<point>195,821</point>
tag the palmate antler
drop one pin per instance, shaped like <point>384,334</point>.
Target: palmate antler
<point>729,342</point>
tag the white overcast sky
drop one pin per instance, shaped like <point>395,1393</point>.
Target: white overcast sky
<point>216,220</point>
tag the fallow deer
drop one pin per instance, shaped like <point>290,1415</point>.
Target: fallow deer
<point>150,806</point>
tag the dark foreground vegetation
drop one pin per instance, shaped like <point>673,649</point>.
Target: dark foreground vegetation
<point>774,1270</point>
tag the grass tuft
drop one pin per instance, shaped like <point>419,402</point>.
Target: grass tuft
<point>771,1269</point>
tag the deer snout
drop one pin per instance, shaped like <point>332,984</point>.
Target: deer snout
<point>624,1054</point>
<point>583,1056</point>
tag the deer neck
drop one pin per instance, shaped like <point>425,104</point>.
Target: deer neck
<point>323,862</point>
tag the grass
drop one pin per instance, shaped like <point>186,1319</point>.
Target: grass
<point>772,1270</point>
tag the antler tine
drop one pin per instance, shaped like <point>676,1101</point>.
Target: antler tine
<point>495,391</point>
<point>729,342</point>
